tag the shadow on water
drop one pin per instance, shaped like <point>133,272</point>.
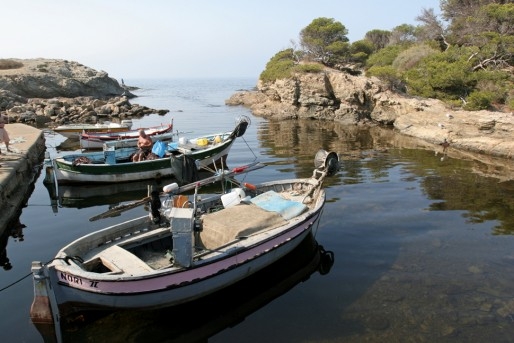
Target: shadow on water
<point>15,231</point>
<point>14,228</point>
<point>83,196</point>
<point>197,321</point>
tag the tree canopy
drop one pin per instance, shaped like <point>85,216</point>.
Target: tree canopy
<point>465,56</point>
<point>325,40</point>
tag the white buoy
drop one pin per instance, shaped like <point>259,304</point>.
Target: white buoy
<point>233,198</point>
<point>170,188</point>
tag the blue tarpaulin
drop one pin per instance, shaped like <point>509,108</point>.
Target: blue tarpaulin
<point>272,201</point>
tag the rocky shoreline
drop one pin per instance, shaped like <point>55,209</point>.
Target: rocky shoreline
<point>52,92</point>
<point>58,111</point>
<point>359,100</point>
<point>44,92</point>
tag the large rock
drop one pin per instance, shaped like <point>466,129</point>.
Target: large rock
<point>42,91</point>
<point>48,78</point>
<point>354,100</point>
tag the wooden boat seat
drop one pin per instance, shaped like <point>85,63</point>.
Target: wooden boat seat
<point>116,257</point>
<point>220,228</point>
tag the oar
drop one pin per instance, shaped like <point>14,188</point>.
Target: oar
<point>119,209</point>
<point>225,174</point>
<point>211,179</point>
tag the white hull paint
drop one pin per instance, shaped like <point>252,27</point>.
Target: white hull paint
<point>215,277</point>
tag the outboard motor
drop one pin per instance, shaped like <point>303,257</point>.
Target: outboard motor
<point>328,161</point>
<point>241,127</point>
<point>155,205</point>
<point>185,169</point>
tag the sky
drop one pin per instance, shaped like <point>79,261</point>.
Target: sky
<point>183,39</point>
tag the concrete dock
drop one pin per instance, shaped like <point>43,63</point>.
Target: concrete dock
<point>18,169</point>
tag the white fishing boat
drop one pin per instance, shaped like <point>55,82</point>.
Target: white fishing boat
<point>219,311</point>
<point>186,248</point>
<point>74,130</point>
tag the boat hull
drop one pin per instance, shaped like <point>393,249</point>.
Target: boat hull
<point>219,310</point>
<point>162,291</point>
<point>67,172</point>
<point>74,130</point>
<point>77,292</point>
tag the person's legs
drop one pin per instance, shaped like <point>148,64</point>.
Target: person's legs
<point>137,157</point>
<point>4,137</point>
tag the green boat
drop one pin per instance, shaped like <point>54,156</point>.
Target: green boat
<point>113,165</point>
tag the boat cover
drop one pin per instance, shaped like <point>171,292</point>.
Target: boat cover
<point>272,201</point>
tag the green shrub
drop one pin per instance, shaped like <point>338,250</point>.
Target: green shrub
<point>496,82</point>
<point>409,58</point>
<point>279,66</point>
<point>479,100</point>
<point>309,68</point>
<point>444,76</point>
<point>510,103</point>
<point>385,56</point>
<point>283,65</point>
<point>388,74</point>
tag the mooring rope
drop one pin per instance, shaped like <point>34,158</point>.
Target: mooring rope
<point>65,259</point>
<point>15,282</point>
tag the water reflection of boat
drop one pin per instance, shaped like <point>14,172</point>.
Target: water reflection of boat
<point>83,196</point>
<point>199,320</point>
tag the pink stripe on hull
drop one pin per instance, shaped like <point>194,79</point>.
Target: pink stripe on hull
<point>181,278</point>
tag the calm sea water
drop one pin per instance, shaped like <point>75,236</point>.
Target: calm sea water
<point>422,245</point>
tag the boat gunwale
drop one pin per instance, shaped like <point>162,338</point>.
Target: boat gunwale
<point>133,133</point>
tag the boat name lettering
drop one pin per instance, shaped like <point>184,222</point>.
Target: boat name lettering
<point>71,278</point>
<point>93,284</point>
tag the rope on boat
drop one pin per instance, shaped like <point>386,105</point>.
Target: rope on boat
<point>65,259</point>
<point>15,282</point>
<point>249,148</point>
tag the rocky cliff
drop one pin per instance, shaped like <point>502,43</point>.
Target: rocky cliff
<point>357,100</point>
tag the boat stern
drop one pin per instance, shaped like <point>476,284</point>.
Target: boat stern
<point>42,315</point>
<point>49,169</point>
